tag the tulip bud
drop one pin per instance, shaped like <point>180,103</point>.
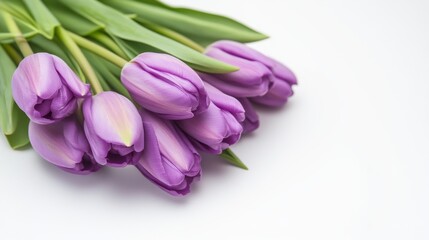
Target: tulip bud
<point>251,122</point>
<point>259,76</point>
<point>281,89</point>
<point>253,78</point>
<point>46,89</point>
<point>114,129</point>
<point>219,126</point>
<point>165,85</point>
<point>63,144</point>
<point>169,159</point>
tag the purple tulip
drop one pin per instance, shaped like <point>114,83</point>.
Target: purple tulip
<point>281,89</point>
<point>258,76</point>
<point>46,89</point>
<point>169,159</point>
<point>165,85</point>
<point>253,78</point>
<point>219,126</point>
<point>251,123</point>
<point>63,144</point>
<point>114,129</point>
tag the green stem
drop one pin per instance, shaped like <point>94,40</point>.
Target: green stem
<point>20,40</point>
<point>108,42</point>
<point>81,59</point>
<point>13,54</point>
<point>171,34</point>
<point>97,49</point>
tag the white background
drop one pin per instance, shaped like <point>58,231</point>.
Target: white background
<point>347,158</point>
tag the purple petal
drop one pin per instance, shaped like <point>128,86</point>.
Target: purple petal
<point>242,51</point>
<point>117,119</point>
<point>225,102</point>
<point>49,142</point>
<point>173,144</point>
<point>251,123</point>
<point>250,73</point>
<point>277,96</point>
<point>99,147</point>
<point>284,73</point>
<point>237,90</point>
<point>70,79</point>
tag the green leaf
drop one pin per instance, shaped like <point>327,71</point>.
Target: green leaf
<point>17,9</point>
<point>71,20</point>
<point>13,122</point>
<point>8,119</point>
<point>189,22</point>
<point>230,156</point>
<point>25,23</point>
<point>112,75</point>
<point>44,18</point>
<point>123,27</point>
<point>19,138</point>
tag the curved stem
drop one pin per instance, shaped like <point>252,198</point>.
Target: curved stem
<point>20,40</point>
<point>81,59</point>
<point>108,42</point>
<point>97,49</point>
<point>13,54</point>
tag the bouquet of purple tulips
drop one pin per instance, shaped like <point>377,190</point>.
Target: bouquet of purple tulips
<point>112,83</point>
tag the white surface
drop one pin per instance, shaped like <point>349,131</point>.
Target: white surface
<point>348,158</point>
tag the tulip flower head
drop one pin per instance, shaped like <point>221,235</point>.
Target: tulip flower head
<point>219,126</point>
<point>114,129</point>
<point>165,85</point>
<point>46,89</point>
<point>63,144</point>
<point>261,77</point>
<point>169,159</point>
<point>253,78</point>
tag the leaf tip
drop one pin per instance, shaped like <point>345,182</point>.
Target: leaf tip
<point>230,156</point>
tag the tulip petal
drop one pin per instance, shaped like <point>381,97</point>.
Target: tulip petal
<point>237,90</point>
<point>225,102</point>
<point>173,144</point>
<point>76,137</point>
<point>63,105</point>
<point>242,51</point>
<point>251,72</point>
<point>277,96</point>
<point>49,142</point>
<point>118,120</point>
<point>164,63</point>
<point>70,79</point>
<point>99,147</point>
<point>284,73</point>
<point>251,123</point>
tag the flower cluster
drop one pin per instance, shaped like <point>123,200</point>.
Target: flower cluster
<point>157,112</point>
<point>179,112</point>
